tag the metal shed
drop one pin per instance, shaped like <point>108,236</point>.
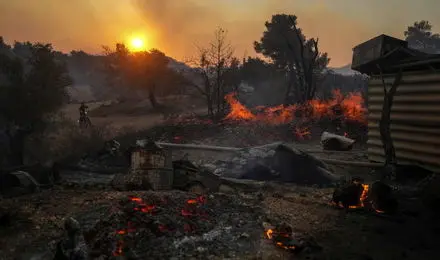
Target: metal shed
<point>415,115</point>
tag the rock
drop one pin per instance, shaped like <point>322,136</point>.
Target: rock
<point>18,183</point>
<point>73,245</point>
<point>348,195</point>
<point>430,194</point>
<point>382,198</point>
<point>244,235</point>
<point>210,167</point>
<point>219,171</point>
<point>336,142</point>
<point>259,172</point>
<point>275,161</point>
<point>257,153</point>
<point>226,189</point>
<point>299,167</point>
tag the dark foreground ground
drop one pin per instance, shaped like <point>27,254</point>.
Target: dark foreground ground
<point>38,220</point>
<point>232,225</point>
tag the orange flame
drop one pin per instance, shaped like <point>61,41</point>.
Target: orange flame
<point>352,106</point>
<point>363,197</point>
<point>238,111</point>
<point>302,132</point>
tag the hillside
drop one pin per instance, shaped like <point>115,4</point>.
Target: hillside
<point>89,76</point>
<point>344,70</point>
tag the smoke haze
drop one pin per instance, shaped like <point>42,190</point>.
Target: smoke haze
<point>175,26</point>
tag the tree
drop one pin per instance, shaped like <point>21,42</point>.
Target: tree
<point>233,76</point>
<point>157,71</point>
<point>140,70</point>
<point>289,49</point>
<point>214,64</point>
<point>389,91</point>
<point>32,87</point>
<point>420,37</point>
<point>256,70</point>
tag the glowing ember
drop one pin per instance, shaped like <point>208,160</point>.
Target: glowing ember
<point>278,237</point>
<point>163,233</point>
<point>363,197</point>
<point>119,248</point>
<point>362,202</point>
<point>191,209</point>
<point>302,133</point>
<point>136,199</point>
<point>141,206</point>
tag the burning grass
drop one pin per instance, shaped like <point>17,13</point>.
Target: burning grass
<point>351,106</point>
<point>348,110</point>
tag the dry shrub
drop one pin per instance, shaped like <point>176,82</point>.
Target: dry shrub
<point>64,140</point>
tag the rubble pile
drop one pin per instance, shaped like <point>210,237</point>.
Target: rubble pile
<point>158,225</point>
<point>278,162</point>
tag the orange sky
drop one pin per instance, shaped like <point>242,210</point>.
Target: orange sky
<point>176,26</point>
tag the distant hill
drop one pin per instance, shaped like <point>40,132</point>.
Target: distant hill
<point>89,77</point>
<point>345,70</point>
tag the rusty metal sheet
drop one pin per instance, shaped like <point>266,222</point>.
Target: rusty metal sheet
<point>415,116</point>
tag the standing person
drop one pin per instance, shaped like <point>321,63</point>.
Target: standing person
<point>84,120</point>
<point>83,109</point>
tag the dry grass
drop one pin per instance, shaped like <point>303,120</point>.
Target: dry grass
<point>65,140</point>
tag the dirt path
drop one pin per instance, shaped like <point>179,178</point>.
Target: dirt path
<point>134,121</point>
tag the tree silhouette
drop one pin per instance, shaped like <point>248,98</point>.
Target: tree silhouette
<point>286,45</point>
<point>420,37</point>
<point>214,64</point>
<point>256,70</point>
<point>32,86</point>
<point>141,71</point>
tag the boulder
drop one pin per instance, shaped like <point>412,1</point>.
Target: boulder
<point>334,142</point>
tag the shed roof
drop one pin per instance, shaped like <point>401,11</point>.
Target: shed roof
<point>399,57</point>
<point>402,58</point>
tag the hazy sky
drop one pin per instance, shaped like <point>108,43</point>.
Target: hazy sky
<point>176,26</point>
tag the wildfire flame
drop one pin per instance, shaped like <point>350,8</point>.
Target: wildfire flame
<point>302,132</point>
<point>352,107</point>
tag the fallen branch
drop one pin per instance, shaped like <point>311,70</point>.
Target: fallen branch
<point>351,163</point>
<point>235,150</point>
<point>231,149</point>
<point>199,147</point>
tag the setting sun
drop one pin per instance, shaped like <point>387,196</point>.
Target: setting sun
<point>137,44</point>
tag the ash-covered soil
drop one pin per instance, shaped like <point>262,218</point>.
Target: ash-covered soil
<point>158,225</point>
<point>226,227</point>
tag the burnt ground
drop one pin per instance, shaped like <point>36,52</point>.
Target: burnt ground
<point>38,220</point>
<point>232,227</point>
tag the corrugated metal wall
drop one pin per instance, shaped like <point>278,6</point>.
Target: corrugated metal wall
<point>415,116</point>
